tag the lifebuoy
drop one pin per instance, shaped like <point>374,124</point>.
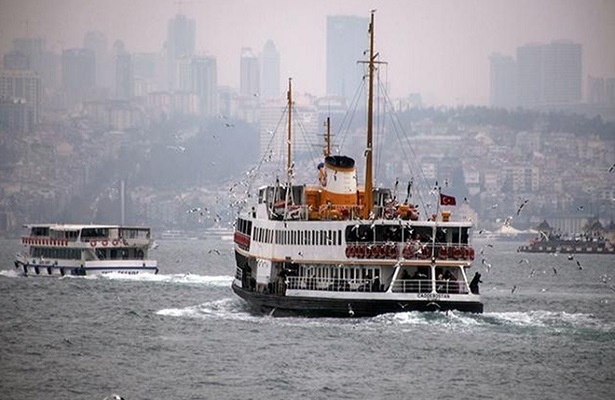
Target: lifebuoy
<point>443,253</point>
<point>464,253</point>
<point>408,251</point>
<point>115,242</point>
<point>360,251</point>
<point>93,243</point>
<point>456,253</point>
<point>471,253</point>
<point>392,251</point>
<point>368,251</point>
<point>425,252</point>
<point>348,251</point>
<point>105,242</point>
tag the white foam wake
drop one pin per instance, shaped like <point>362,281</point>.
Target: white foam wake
<point>210,280</point>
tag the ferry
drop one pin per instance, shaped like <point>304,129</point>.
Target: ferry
<point>568,246</point>
<point>340,249</point>
<point>84,250</point>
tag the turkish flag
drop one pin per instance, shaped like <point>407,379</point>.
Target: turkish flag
<point>447,200</point>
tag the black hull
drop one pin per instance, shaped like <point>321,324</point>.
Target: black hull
<point>278,305</point>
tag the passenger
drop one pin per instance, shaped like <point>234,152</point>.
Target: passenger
<point>474,283</point>
<point>376,284</point>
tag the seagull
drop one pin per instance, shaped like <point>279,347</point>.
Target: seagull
<point>214,251</point>
<point>522,205</point>
<point>579,265</point>
<point>514,288</point>
<point>554,271</point>
<point>114,397</point>
<point>580,208</point>
<point>612,168</point>
<point>524,260</point>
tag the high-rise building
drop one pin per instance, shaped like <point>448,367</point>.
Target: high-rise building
<point>249,80</point>
<point>529,75</point>
<point>503,79</point>
<point>563,72</point>
<point>97,42</point>
<point>181,34</point>
<point>347,39</point>
<point>549,74</point>
<point>16,60</point>
<point>199,75</point>
<point>22,87</point>
<point>124,77</point>
<point>78,74</point>
<point>205,84</point>
<point>270,61</point>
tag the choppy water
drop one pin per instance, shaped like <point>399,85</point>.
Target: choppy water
<point>182,334</point>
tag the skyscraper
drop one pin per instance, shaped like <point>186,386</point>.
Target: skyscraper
<point>503,79</point>
<point>124,76</point>
<point>563,72</point>
<point>78,73</point>
<point>205,76</point>
<point>270,61</point>
<point>347,39</point>
<point>180,43</point>
<point>249,80</point>
<point>97,42</point>
<point>549,74</point>
<point>23,87</point>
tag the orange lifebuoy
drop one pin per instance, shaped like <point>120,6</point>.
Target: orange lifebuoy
<point>93,243</point>
<point>105,242</point>
<point>408,251</point>
<point>464,253</point>
<point>360,251</point>
<point>392,251</point>
<point>425,252</point>
<point>457,253</point>
<point>115,242</point>
<point>443,253</point>
<point>471,253</point>
<point>348,251</point>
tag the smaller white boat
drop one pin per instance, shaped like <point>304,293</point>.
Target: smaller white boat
<point>78,250</point>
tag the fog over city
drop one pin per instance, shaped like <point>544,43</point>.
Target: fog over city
<point>437,48</point>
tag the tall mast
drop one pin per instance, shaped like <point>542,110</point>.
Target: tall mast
<point>288,139</point>
<point>328,137</point>
<point>369,196</point>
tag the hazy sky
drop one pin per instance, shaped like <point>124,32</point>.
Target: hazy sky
<point>437,47</point>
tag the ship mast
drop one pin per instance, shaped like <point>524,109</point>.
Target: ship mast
<point>288,139</point>
<point>328,137</point>
<point>369,196</point>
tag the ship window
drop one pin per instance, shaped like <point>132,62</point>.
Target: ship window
<point>334,238</point>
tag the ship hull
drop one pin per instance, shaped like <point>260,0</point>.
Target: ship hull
<point>55,269</point>
<point>308,306</point>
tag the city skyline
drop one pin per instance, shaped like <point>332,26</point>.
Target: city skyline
<point>440,50</point>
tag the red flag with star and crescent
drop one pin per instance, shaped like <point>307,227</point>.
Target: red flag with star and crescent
<point>447,200</point>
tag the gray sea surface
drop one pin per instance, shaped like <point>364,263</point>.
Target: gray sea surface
<point>548,332</point>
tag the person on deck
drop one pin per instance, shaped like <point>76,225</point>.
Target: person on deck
<point>474,283</point>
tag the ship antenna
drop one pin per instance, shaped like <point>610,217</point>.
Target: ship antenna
<point>369,196</point>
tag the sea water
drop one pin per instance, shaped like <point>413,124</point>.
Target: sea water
<point>548,332</point>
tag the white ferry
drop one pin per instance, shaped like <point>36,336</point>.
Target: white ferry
<point>343,250</point>
<point>59,250</point>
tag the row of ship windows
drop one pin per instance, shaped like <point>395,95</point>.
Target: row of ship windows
<point>65,254</point>
<point>299,237</point>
